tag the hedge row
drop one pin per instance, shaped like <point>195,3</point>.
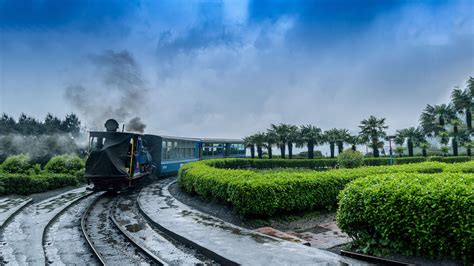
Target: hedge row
<point>60,164</point>
<point>24,184</point>
<point>266,193</point>
<point>321,164</point>
<point>411,213</point>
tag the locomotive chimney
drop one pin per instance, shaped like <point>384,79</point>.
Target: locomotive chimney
<point>111,125</point>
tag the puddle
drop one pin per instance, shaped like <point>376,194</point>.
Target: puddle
<point>134,227</point>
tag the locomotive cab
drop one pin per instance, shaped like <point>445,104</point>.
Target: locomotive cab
<point>116,160</point>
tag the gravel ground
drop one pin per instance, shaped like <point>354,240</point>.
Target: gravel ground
<point>173,253</point>
<point>9,205</point>
<point>21,239</point>
<point>114,248</point>
<point>64,242</point>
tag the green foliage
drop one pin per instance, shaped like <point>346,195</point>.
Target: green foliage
<point>452,159</point>
<point>265,193</point>
<point>411,213</point>
<point>17,164</point>
<point>350,159</point>
<point>64,164</point>
<point>24,184</point>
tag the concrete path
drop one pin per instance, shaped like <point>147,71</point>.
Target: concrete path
<point>234,243</point>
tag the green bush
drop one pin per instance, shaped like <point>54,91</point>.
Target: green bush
<point>350,159</point>
<point>411,213</point>
<point>264,193</point>
<point>64,164</point>
<point>24,184</point>
<point>17,164</point>
<point>451,159</point>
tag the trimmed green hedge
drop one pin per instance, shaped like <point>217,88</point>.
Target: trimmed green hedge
<point>24,184</point>
<point>411,213</point>
<point>17,164</point>
<point>255,193</point>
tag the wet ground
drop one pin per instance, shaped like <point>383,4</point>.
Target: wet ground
<point>232,242</point>
<point>319,229</point>
<point>21,238</point>
<point>173,253</point>
<point>64,242</point>
<point>113,247</point>
<point>11,204</point>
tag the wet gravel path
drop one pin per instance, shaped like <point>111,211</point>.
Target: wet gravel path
<point>113,247</point>
<point>9,205</point>
<point>126,213</point>
<point>64,242</point>
<point>21,239</point>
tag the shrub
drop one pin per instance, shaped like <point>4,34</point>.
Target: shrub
<point>350,159</point>
<point>25,184</point>
<point>17,164</point>
<point>262,193</point>
<point>411,213</point>
<point>64,164</point>
<point>452,159</point>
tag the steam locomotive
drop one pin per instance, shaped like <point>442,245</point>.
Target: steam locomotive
<point>119,160</point>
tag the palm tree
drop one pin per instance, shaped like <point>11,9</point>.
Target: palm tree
<point>342,136</point>
<point>455,134</point>
<point>372,131</point>
<point>331,136</point>
<point>259,141</point>
<point>293,136</point>
<point>354,140</point>
<point>270,140</point>
<point>399,151</point>
<point>424,145</point>
<point>249,143</point>
<point>310,136</point>
<point>281,132</point>
<point>434,117</point>
<point>468,145</point>
<point>413,137</point>
<point>463,103</point>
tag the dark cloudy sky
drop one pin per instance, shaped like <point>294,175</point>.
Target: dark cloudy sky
<point>230,68</point>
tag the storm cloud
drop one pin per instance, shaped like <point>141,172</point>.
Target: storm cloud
<point>230,68</point>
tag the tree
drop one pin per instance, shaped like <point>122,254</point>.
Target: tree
<point>331,136</point>
<point>462,102</point>
<point>310,136</point>
<point>270,140</point>
<point>399,150</point>
<point>468,145</point>
<point>372,131</point>
<point>293,135</point>
<point>342,136</point>
<point>71,124</point>
<point>52,124</point>
<point>434,118</point>
<point>413,137</point>
<point>354,140</point>
<point>27,125</point>
<point>259,141</point>
<point>281,132</point>
<point>249,143</point>
<point>424,145</point>
<point>7,124</point>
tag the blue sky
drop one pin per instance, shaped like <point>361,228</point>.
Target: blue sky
<point>230,68</point>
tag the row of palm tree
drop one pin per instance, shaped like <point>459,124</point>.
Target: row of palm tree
<point>289,136</point>
<point>437,121</point>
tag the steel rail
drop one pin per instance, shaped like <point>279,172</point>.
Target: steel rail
<point>127,235</point>
<point>84,229</point>
<point>56,216</point>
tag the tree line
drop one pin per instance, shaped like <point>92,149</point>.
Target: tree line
<point>445,122</point>
<point>29,126</point>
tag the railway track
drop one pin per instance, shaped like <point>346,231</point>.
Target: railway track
<point>109,244</point>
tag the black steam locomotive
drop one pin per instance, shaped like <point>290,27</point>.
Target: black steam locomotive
<point>119,160</point>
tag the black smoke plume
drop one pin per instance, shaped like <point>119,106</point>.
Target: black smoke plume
<point>121,93</point>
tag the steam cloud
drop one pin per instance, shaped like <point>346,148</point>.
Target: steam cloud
<point>120,93</point>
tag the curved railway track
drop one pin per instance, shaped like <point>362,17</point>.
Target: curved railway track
<point>109,244</point>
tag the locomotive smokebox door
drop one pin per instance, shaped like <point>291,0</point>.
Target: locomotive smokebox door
<point>111,125</point>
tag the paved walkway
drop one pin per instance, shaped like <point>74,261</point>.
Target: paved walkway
<point>227,240</point>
